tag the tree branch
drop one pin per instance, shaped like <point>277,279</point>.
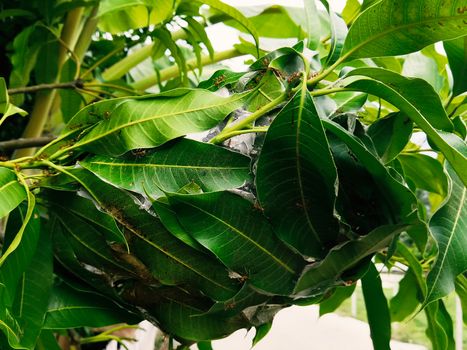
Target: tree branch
<point>68,85</point>
<point>25,143</point>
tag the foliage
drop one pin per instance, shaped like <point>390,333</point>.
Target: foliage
<point>307,173</point>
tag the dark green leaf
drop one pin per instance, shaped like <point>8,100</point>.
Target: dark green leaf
<point>426,172</point>
<point>329,272</point>
<point>169,260</point>
<point>241,237</point>
<point>128,123</point>
<point>377,310</point>
<point>382,199</point>
<point>204,345</point>
<point>439,330</point>
<point>296,178</point>
<point>32,296</point>
<point>221,78</point>
<point>173,166</point>
<point>390,135</point>
<point>416,99</point>
<point>47,341</point>
<point>6,108</point>
<point>11,191</point>
<point>456,51</point>
<point>408,298</point>
<point>396,27</point>
<point>70,308</point>
<point>332,303</point>
<point>448,226</point>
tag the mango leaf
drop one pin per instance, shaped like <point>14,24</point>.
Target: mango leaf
<point>338,35</point>
<point>17,263</point>
<point>128,123</point>
<point>47,341</point>
<point>165,37</point>
<point>117,16</point>
<point>426,172</point>
<point>408,298</point>
<point>30,305</point>
<point>11,191</point>
<point>233,13</point>
<point>385,199</point>
<point>461,290</point>
<point>338,296</point>
<point>329,272</point>
<point>390,135</point>
<point>312,20</point>
<point>221,78</point>
<point>448,226</point>
<point>204,345</point>
<point>168,259</point>
<point>411,24</point>
<point>351,11</point>
<point>274,22</point>
<point>6,108</point>
<point>456,50</point>
<point>70,308</point>
<point>296,178</point>
<point>377,310</point>
<point>240,236</point>
<point>417,99</point>
<point>172,166</point>
<point>261,332</point>
<point>198,29</point>
<point>440,329</point>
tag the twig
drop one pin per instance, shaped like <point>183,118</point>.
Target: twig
<point>75,84</point>
<point>25,143</point>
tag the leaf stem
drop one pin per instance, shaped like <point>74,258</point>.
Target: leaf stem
<point>25,143</point>
<point>35,88</point>
<point>223,135</point>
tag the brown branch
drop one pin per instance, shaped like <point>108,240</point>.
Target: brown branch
<point>75,84</point>
<point>25,143</point>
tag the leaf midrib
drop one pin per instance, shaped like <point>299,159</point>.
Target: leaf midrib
<point>152,165</point>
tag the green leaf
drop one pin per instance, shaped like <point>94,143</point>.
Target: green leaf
<point>16,264</point>
<point>261,332</point>
<point>412,25</point>
<point>296,178</point>
<point>47,341</point>
<point>197,28</point>
<point>351,10</point>
<point>169,260</point>
<point>425,172</point>
<point>11,191</point>
<point>6,108</point>
<point>416,99</point>
<point>338,35</point>
<point>15,243</point>
<point>329,272</point>
<point>420,65</point>
<point>166,39</point>
<point>377,310</point>
<point>390,135</point>
<point>439,330</point>
<point>408,298</point>
<point>241,237</point>
<point>173,166</point>
<point>338,296</point>
<point>461,290</point>
<point>448,226</point>
<point>33,293</point>
<point>275,22</point>
<point>221,78</point>
<point>313,24</point>
<point>204,345</point>
<point>70,308</point>
<point>382,199</point>
<point>128,123</point>
<point>233,13</point>
<point>456,50</point>
<point>117,16</point>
